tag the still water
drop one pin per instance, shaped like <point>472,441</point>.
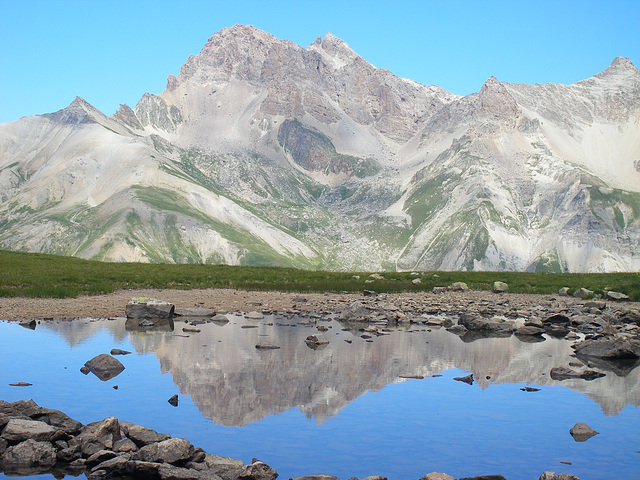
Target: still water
<point>345,409</point>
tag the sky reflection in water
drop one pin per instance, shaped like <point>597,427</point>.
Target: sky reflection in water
<point>341,410</point>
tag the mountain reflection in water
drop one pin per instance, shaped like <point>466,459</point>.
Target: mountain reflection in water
<point>234,383</point>
<point>342,409</point>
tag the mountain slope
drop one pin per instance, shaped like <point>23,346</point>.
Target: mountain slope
<point>263,152</point>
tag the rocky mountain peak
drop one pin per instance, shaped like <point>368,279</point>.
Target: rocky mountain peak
<point>335,52</point>
<point>621,70</point>
<point>496,101</point>
<point>78,111</point>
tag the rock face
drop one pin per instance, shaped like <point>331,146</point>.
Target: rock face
<point>318,156</point>
<point>140,308</point>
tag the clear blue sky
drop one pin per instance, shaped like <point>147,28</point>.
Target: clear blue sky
<point>111,52</point>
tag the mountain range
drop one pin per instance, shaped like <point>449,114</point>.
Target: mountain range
<point>261,152</point>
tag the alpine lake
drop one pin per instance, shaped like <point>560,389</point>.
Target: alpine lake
<point>360,405</point>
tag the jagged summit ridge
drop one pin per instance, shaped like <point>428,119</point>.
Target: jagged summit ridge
<point>261,151</point>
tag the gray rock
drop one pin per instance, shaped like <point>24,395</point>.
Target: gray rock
<point>258,471</point>
<point>30,453</point>
<point>583,293</point>
<point>563,292</point>
<point>171,472</point>
<point>529,330</point>
<point>18,430</point>
<point>618,347</point>
<point>560,476</point>
<point>356,312</point>
<point>582,432</point>
<point>495,324</point>
<point>316,339</point>
<point>100,456</point>
<point>58,419</point>
<point>254,315</point>
<point>617,295</point>
<point>104,366</point>
<point>194,312</point>
<point>438,290</point>
<point>174,400</point>
<point>142,436</point>
<point>98,436</point>
<point>125,445</point>
<point>458,287</point>
<point>220,319</point>
<point>115,466</point>
<point>499,287</point>
<point>437,476</point>
<point>29,323</point>
<point>173,450</point>
<point>266,346</point>
<point>139,308</point>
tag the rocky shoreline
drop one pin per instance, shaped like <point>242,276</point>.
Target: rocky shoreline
<point>36,439</point>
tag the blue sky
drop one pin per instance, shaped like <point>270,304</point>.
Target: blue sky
<point>111,52</point>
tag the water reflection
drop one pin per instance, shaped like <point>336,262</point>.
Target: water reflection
<point>234,383</point>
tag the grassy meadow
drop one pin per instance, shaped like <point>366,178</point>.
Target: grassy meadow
<point>39,275</point>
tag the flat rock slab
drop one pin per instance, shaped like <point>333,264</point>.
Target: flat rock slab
<point>19,430</point>
<point>194,312</point>
<point>139,308</point>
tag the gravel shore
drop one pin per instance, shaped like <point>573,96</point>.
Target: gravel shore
<point>228,300</point>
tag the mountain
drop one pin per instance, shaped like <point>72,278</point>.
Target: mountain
<point>263,152</point>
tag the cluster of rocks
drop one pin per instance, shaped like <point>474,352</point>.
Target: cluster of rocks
<point>36,440</point>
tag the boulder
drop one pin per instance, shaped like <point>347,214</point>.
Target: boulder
<point>19,430</point>
<point>356,312</point>
<point>583,293</point>
<point>104,366</point>
<point>458,287</point>
<point>258,471</point>
<point>499,287</point>
<point>529,330</point>
<point>438,290</point>
<point>494,324</point>
<point>142,436</point>
<point>29,323</point>
<point>563,292</point>
<point>117,351</point>
<point>98,436</point>
<point>582,432</point>
<point>173,451</point>
<point>437,476</point>
<point>58,419</point>
<point>254,315</point>
<point>139,308</point>
<point>617,296</point>
<point>316,339</point>
<point>30,453</point>
<point>560,476</point>
<point>617,348</point>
